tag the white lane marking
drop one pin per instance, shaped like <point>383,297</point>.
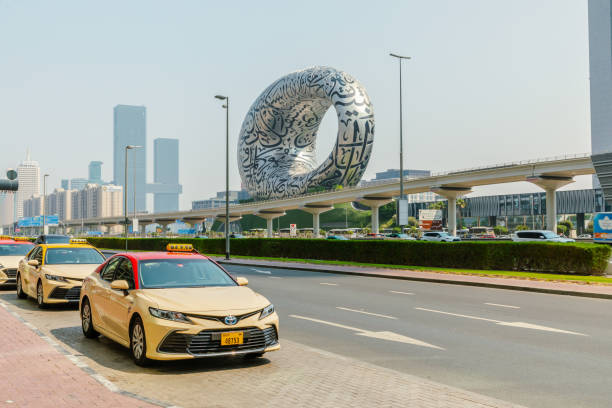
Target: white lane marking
<point>328,284</point>
<point>381,335</point>
<point>274,277</point>
<point>522,325</point>
<point>260,271</point>
<point>500,305</point>
<point>400,293</point>
<point>366,313</point>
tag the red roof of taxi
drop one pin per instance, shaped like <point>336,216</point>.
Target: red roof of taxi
<point>10,241</point>
<point>160,255</point>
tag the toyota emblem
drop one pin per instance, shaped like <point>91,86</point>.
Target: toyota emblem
<point>231,320</point>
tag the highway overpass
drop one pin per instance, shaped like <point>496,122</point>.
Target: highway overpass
<point>550,174</point>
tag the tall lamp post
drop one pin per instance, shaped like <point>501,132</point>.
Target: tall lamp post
<point>400,58</point>
<point>125,208</point>
<point>44,201</point>
<point>227,218</point>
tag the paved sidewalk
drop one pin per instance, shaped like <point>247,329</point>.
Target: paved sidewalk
<point>35,374</point>
<point>555,287</point>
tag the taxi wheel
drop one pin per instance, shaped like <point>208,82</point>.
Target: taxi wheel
<point>20,293</point>
<point>87,321</point>
<point>138,343</point>
<point>40,296</point>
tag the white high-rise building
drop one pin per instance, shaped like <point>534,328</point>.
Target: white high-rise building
<point>7,209</point>
<point>600,66</point>
<point>95,201</point>
<point>59,203</point>
<point>28,175</point>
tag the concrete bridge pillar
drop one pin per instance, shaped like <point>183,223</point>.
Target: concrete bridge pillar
<point>375,203</point>
<point>451,194</point>
<point>316,211</point>
<point>550,184</point>
<point>232,218</point>
<point>269,216</point>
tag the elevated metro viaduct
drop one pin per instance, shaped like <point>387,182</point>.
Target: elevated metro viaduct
<point>549,174</point>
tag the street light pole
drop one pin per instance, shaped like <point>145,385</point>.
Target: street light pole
<point>44,201</point>
<point>400,58</point>
<point>125,184</point>
<point>227,218</point>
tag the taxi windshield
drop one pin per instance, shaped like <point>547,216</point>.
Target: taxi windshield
<point>73,256</point>
<point>181,273</point>
<point>14,249</point>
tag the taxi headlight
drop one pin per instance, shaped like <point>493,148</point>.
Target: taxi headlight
<point>267,311</point>
<point>168,315</point>
<point>55,278</point>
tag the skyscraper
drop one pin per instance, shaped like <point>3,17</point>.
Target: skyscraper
<point>78,183</point>
<point>28,175</point>
<point>130,129</point>
<point>66,184</point>
<point>166,175</point>
<point>95,172</point>
<point>600,66</point>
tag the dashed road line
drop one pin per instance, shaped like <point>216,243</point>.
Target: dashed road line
<point>521,325</point>
<point>401,293</point>
<point>261,271</point>
<point>500,305</point>
<point>328,284</point>
<point>381,335</point>
<point>366,313</point>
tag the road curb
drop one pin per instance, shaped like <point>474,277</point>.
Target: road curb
<point>424,279</point>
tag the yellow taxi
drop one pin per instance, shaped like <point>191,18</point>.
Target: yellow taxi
<point>175,305</point>
<point>12,250</point>
<point>54,273</point>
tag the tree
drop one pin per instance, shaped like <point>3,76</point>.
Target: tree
<point>438,205</point>
<point>561,229</point>
<point>412,222</point>
<point>500,230</point>
<point>522,227</point>
<point>568,224</point>
<point>589,228</point>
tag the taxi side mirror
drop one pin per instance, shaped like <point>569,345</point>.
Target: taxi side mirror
<point>33,262</point>
<point>242,281</point>
<point>119,285</point>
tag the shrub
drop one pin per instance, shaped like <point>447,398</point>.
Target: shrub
<point>561,229</point>
<point>576,258</point>
<point>500,230</point>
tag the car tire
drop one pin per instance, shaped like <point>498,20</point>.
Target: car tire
<point>20,293</point>
<point>87,321</point>
<point>251,356</point>
<point>40,296</point>
<point>138,343</point>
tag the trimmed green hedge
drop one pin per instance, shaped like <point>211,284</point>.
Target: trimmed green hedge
<point>576,258</point>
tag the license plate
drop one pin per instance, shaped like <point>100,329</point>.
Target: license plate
<point>232,338</point>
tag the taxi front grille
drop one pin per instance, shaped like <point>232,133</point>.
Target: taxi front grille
<point>11,273</point>
<point>73,294</point>
<point>208,342</point>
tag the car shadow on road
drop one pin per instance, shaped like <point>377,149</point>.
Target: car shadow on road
<point>30,304</point>
<point>107,353</point>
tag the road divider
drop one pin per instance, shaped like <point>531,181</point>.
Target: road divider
<point>521,325</point>
<point>380,335</point>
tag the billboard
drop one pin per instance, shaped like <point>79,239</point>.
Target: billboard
<point>430,220</point>
<point>602,227</point>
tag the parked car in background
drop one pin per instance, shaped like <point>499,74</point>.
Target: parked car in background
<point>237,236</point>
<point>397,235</point>
<point>439,236</point>
<point>585,236</point>
<point>374,235</point>
<point>539,236</point>
<point>52,239</point>
<point>337,237</point>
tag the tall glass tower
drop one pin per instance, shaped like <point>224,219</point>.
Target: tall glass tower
<point>166,174</point>
<point>130,129</point>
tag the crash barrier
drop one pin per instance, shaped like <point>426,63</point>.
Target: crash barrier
<point>570,258</point>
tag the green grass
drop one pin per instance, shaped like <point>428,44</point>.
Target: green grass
<point>490,273</point>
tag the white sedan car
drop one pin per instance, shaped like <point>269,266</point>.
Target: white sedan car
<point>439,236</point>
<point>539,236</point>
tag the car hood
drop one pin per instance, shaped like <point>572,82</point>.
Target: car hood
<point>10,261</point>
<point>222,300</point>
<point>80,271</point>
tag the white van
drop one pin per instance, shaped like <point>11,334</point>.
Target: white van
<point>538,235</point>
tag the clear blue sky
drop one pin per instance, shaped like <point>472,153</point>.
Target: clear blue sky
<point>491,80</point>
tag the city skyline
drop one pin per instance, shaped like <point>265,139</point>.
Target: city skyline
<point>451,102</point>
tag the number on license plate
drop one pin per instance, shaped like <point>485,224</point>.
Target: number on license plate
<point>232,338</point>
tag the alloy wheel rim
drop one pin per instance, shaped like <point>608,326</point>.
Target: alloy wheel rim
<point>86,317</point>
<point>39,294</point>
<point>18,284</point>
<point>137,341</point>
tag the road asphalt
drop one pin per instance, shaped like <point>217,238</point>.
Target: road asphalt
<point>538,350</point>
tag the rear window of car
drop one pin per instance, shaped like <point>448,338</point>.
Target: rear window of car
<point>57,239</point>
